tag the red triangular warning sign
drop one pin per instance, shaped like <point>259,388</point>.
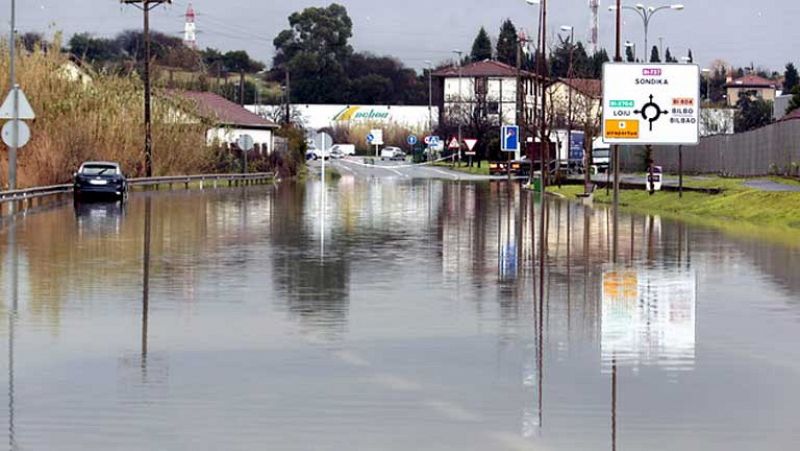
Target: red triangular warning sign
<point>454,144</point>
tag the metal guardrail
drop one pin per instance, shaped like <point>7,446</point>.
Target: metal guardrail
<point>214,179</point>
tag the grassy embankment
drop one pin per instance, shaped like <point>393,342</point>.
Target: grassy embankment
<point>739,209</point>
<point>97,118</point>
<point>474,170</point>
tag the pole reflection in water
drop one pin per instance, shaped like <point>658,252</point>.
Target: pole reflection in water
<point>146,282</point>
<point>12,319</point>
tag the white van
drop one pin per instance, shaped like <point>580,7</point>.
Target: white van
<point>345,149</point>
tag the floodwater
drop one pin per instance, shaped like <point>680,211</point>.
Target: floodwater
<point>408,315</point>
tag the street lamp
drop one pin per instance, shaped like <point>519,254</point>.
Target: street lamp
<point>646,13</point>
<point>429,65</point>
<point>707,73</point>
<point>459,53</point>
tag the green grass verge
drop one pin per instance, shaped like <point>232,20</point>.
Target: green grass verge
<point>739,210</point>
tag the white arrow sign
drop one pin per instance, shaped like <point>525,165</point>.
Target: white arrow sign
<point>25,110</point>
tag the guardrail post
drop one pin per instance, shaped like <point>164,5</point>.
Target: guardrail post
<point>186,184</point>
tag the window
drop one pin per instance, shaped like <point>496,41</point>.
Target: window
<point>493,107</point>
<point>481,86</point>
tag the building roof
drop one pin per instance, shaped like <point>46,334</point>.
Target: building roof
<point>225,112</point>
<point>751,81</point>
<point>793,115</point>
<point>486,68</point>
<point>587,86</point>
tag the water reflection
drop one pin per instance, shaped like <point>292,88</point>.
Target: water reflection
<point>99,217</point>
<point>449,312</point>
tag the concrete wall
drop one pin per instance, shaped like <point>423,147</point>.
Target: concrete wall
<point>745,154</point>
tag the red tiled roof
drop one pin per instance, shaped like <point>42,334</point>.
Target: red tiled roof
<point>224,111</point>
<point>587,86</point>
<point>752,81</point>
<point>486,68</point>
<point>793,115</point>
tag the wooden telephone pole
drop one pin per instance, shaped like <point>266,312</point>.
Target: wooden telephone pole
<point>146,6</point>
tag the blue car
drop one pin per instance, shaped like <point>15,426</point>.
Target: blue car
<point>100,179</point>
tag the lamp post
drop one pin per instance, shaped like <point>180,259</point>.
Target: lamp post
<point>570,76</point>
<point>429,65</point>
<point>540,82</point>
<point>459,53</point>
<point>646,13</point>
<point>707,73</point>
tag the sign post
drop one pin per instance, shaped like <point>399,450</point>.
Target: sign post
<point>509,142</point>
<point>646,104</point>
<point>377,139</point>
<point>246,144</point>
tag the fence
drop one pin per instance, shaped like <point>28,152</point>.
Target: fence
<point>767,150</point>
<point>26,197</point>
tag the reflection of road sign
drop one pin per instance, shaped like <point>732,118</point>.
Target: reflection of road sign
<point>411,140</point>
<point>245,142</point>
<point>509,138</point>
<point>25,111</point>
<point>454,144</point>
<point>651,103</point>
<point>24,134</point>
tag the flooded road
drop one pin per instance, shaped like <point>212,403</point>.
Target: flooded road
<point>394,314</point>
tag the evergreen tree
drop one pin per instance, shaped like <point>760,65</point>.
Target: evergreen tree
<point>507,43</point>
<point>654,58</point>
<point>629,56</point>
<point>481,47</point>
<point>794,103</point>
<point>691,57</point>
<point>596,61</point>
<point>791,78</point>
<point>668,56</point>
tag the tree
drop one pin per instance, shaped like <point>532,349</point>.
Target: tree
<point>560,60</point>
<point>791,78</point>
<point>240,61</point>
<point>690,56</point>
<point>668,58</point>
<point>794,102</point>
<point>481,47</point>
<point>629,56</point>
<point>92,49</point>
<point>654,57</point>
<point>752,113</point>
<point>314,50</point>
<point>507,43</point>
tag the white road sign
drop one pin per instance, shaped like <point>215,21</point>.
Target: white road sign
<point>651,103</point>
<point>245,143</point>
<point>377,137</point>
<point>25,110</point>
<point>23,137</point>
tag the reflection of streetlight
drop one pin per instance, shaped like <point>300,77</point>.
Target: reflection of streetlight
<point>646,13</point>
<point>570,76</point>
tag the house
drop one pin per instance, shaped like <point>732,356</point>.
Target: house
<point>484,89</point>
<point>582,96</point>
<point>753,85</point>
<point>231,121</point>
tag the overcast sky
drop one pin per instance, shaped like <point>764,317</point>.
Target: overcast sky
<point>738,31</point>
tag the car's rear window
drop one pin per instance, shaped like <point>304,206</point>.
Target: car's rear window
<point>97,169</point>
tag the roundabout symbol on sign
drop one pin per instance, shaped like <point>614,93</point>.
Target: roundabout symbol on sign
<point>655,114</point>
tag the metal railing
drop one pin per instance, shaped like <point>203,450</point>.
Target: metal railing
<point>212,179</point>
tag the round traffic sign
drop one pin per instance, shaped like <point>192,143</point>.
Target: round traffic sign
<point>246,143</point>
<point>370,138</point>
<point>411,140</point>
<point>23,137</point>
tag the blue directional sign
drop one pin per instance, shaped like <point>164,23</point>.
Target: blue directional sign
<point>509,138</point>
<point>411,140</point>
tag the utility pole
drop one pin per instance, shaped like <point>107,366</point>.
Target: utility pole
<point>146,6</point>
<point>288,118</point>
<point>460,105</point>
<point>545,142</point>
<point>241,87</point>
<point>617,59</point>
<point>12,149</point>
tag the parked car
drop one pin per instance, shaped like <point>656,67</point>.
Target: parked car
<point>337,153</point>
<point>99,178</point>
<point>313,153</point>
<point>392,153</point>
<point>345,149</point>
